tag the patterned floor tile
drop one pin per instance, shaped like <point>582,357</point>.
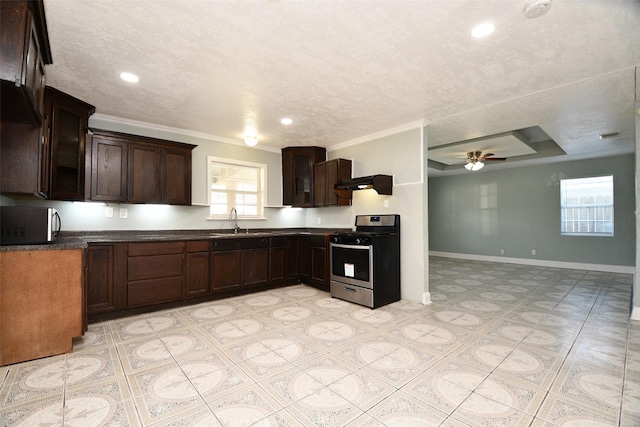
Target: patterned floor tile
<point>501,344</point>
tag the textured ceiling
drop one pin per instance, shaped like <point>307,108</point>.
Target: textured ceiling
<point>345,69</point>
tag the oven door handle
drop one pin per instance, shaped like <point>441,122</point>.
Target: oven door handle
<point>338,245</point>
<point>350,289</point>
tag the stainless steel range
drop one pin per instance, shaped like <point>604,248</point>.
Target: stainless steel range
<point>365,263</point>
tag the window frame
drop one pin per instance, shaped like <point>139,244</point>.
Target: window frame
<point>564,206</point>
<point>261,193</point>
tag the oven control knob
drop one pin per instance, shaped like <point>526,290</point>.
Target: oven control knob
<point>358,241</point>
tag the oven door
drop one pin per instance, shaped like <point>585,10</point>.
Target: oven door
<point>352,264</point>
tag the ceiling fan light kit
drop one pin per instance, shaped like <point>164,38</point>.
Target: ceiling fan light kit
<point>475,160</point>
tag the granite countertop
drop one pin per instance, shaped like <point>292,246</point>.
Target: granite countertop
<point>79,239</point>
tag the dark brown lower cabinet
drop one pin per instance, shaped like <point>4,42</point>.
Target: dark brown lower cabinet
<point>225,270</point>
<point>197,268</point>
<point>226,264</point>
<point>128,278</point>
<point>255,263</point>
<point>100,281</point>
<point>284,260</point>
<point>155,272</point>
<point>314,262</point>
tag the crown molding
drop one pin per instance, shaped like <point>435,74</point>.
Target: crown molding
<point>360,140</point>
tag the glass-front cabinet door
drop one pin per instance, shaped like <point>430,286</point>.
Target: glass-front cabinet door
<point>66,120</point>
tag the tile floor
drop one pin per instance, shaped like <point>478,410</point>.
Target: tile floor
<point>501,345</point>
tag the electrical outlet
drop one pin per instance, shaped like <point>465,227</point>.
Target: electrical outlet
<point>124,212</point>
<point>319,220</point>
<point>533,251</point>
<point>108,212</point>
<point>501,251</point>
<point>386,203</point>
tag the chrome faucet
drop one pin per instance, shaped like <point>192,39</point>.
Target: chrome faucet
<point>233,217</point>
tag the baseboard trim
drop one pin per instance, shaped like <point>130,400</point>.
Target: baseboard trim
<point>426,298</point>
<point>540,263</point>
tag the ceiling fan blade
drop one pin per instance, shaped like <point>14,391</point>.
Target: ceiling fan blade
<point>494,158</point>
<point>487,155</point>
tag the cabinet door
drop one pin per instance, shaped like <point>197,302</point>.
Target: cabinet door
<point>100,280</point>
<point>297,174</point>
<point>176,182</point>
<point>277,260</point>
<point>255,267</point>
<point>292,259</point>
<point>144,174</point>
<point>337,170</point>
<point>109,159</point>
<point>22,60</point>
<point>20,146</point>
<point>326,176</point>
<point>319,265</point>
<point>197,268</point>
<point>320,184</point>
<point>66,119</point>
<point>225,270</point>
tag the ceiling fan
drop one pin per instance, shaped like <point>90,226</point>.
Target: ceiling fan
<point>475,160</point>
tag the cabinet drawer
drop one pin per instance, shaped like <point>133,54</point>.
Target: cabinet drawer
<point>318,241</point>
<point>154,291</point>
<point>156,266</point>
<point>198,246</point>
<point>155,248</point>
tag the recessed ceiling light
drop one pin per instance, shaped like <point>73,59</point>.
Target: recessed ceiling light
<point>483,29</point>
<point>129,77</point>
<point>286,121</point>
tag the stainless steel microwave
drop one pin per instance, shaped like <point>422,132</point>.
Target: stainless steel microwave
<point>24,225</point>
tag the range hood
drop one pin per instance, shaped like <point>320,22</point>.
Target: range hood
<point>383,184</point>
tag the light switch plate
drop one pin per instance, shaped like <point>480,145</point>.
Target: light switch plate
<point>108,212</point>
<point>124,212</point>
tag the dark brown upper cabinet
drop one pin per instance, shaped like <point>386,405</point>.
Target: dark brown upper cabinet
<point>297,174</point>
<point>135,169</point>
<point>24,51</point>
<point>49,160</point>
<point>145,173</point>
<point>107,160</point>
<point>326,175</point>
<point>64,137</point>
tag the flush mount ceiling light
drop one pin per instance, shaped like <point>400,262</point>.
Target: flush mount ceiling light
<point>536,8</point>
<point>251,141</point>
<point>129,77</point>
<point>286,121</point>
<point>482,30</point>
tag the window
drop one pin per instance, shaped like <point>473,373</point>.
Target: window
<point>235,184</point>
<point>587,206</point>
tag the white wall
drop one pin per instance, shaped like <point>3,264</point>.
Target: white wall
<point>398,154</point>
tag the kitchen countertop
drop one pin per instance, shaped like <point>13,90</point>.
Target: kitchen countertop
<point>79,240</point>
